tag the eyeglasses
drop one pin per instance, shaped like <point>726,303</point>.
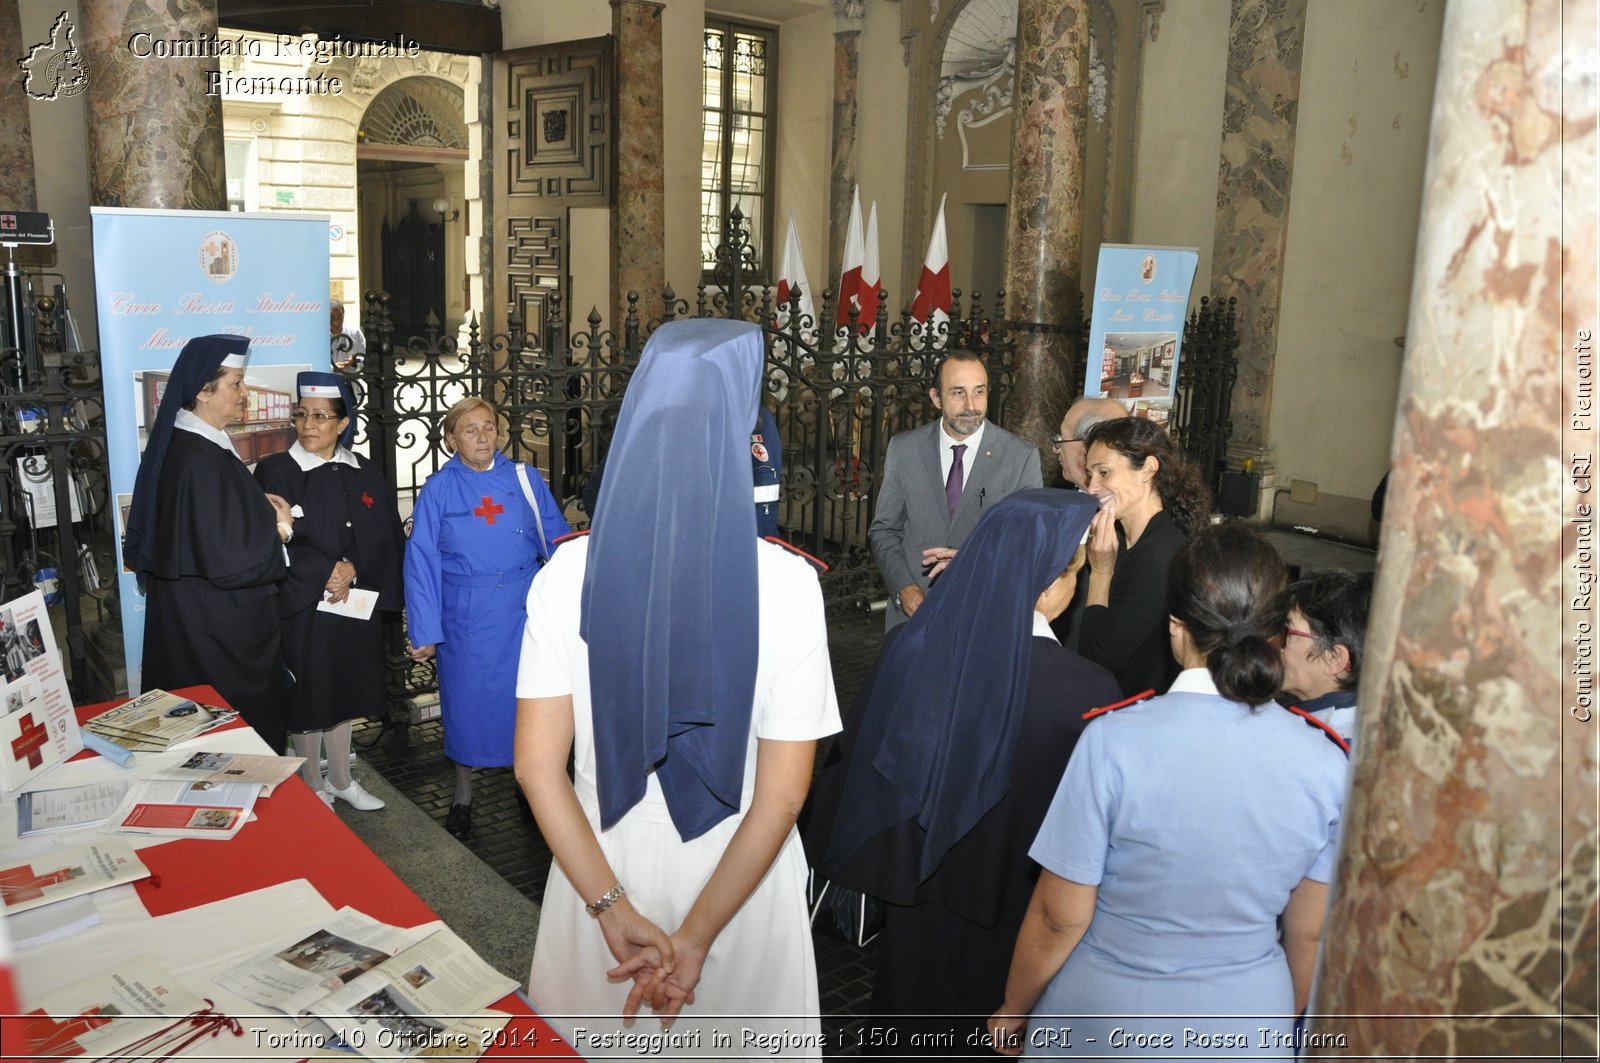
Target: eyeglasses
<point>315,418</point>
<point>1056,442</point>
<point>1303,634</point>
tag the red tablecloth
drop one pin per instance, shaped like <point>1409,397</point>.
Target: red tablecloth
<point>295,836</point>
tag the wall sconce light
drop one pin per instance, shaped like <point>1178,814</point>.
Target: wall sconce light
<point>441,207</point>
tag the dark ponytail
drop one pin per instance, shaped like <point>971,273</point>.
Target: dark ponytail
<point>1230,589</point>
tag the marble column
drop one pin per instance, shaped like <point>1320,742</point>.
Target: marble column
<point>1044,244</point>
<point>847,17</point>
<point>638,216</point>
<point>1464,924</point>
<point>1265,40</point>
<point>155,136</point>
<point>16,131</point>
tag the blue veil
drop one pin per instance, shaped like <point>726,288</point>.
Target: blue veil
<point>670,594</point>
<point>942,721</point>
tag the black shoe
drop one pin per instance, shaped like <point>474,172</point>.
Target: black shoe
<point>459,821</point>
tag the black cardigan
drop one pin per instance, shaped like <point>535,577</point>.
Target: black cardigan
<point>1129,635</point>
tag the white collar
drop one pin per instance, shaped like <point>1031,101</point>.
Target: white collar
<point>308,461</point>
<point>190,421</point>
<point>1042,629</point>
<point>972,442</point>
<point>1194,681</point>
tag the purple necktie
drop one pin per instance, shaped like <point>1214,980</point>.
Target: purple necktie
<point>952,483</point>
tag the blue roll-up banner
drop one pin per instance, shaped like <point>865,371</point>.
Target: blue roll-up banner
<point>1141,298</point>
<point>163,277</point>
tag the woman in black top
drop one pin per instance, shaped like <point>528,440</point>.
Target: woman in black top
<point>1151,499</point>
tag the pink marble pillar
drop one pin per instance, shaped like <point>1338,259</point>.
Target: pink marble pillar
<point>638,216</point>
<point>1265,39</point>
<point>1044,245</point>
<point>1464,924</point>
<point>16,131</point>
<point>155,136</point>
<point>847,16</point>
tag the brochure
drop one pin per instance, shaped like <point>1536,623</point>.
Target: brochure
<point>109,1011</point>
<point>186,809</point>
<point>69,807</point>
<point>37,709</point>
<point>68,873</point>
<point>381,988</point>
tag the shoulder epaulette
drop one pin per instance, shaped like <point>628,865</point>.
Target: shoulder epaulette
<point>1124,703</point>
<point>1328,732</point>
<point>816,562</point>
<point>569,537</point>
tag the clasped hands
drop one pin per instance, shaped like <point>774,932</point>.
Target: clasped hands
<point>340,581</point>
<point>665,968</point>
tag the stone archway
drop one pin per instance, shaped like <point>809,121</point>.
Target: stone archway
<point>411,153</point>
<point>432,103</point>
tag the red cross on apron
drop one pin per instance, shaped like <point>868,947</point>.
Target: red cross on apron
<point>488,510</point>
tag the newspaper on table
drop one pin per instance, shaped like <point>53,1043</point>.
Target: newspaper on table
<point>379,987</point>
<point>65,873</point>
<point>113,1009</point>
<point>152,721</point>
<point>265,771</point>
<point>185,809</point>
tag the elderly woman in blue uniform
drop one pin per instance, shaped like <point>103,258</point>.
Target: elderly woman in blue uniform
<point>1184,828</point>
<point>206,543</point>
<point>482,527</point>
<point>348,535</point>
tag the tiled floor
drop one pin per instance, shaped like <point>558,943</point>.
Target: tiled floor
<point>412,759</point>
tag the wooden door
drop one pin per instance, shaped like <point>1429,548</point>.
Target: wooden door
<point>553,121</point>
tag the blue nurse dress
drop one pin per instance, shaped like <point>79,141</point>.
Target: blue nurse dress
<point>1195,817</point>
<point>473,551</point>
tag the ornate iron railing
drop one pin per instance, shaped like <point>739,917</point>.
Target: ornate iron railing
<point>839,392</point>
<point>55,520</point>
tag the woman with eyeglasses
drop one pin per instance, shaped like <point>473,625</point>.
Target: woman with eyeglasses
<point>347,536</point>
<point>1185,829</point>
<point>482,528</point>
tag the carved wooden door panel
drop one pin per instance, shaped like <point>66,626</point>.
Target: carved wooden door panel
<point>552,152</point>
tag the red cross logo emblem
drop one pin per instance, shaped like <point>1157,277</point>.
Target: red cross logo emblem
<point>367,499</point>
<point>29,741</point>
<point>488,510</point>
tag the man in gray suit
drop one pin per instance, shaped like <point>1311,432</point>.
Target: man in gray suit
<point>937,481</point>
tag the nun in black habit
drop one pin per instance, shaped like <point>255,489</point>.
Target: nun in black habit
<point>207,544</point>
<point>347,535</point>
<point>950,760</point>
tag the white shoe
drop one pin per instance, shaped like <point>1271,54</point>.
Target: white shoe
<point>354,796</point>
<point>327,798</point>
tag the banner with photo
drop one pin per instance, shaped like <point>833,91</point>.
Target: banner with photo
<point>1141,299</point>
<point>163,277</point>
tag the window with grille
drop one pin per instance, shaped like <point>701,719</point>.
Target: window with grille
<point>739,83</point>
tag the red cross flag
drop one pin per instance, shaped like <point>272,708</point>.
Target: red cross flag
<point>854,255</point>
<point>932,304</point>
<point>867,296</point>
<point>792,277</point>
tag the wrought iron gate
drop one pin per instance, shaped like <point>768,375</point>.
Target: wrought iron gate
<point>839,392</point>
